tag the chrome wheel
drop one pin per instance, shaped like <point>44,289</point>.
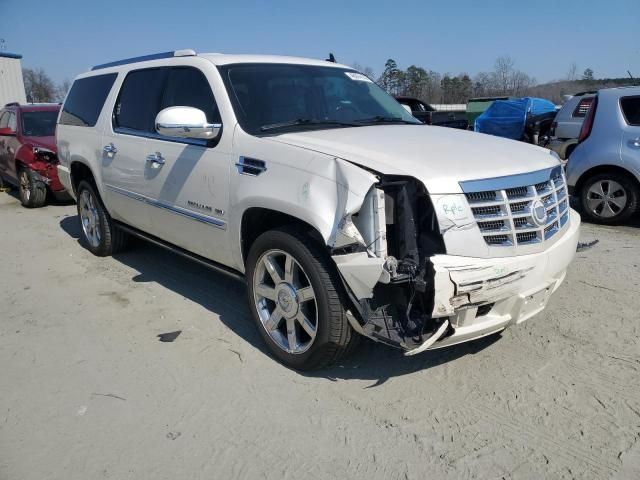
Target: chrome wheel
<point>89,218</point>
<point>285,301</point>
<point>606,198</point>
<point>25,187</point>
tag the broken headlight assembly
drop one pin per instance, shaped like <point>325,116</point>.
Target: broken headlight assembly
<point>44,155</point>
<point>398,230</point>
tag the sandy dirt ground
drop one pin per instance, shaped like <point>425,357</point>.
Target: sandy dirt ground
<point>88,392</point>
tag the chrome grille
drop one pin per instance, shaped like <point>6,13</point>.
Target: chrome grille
<point>506,216</point>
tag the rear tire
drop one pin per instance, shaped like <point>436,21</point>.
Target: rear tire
<point>609,198</point>
<point>100,234</point>
<point>305,286</point>
<point>33,193</point>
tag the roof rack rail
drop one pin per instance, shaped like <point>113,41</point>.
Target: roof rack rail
<point>144,58</point>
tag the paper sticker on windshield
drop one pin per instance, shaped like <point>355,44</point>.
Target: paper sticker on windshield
<point>357,76</point>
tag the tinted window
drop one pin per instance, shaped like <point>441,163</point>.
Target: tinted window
<point>39,124</point>
<point>266,95</point>
<point>139,100</point>
<point>86,99</point>
<point>188,87</point>
<point>631,110</point>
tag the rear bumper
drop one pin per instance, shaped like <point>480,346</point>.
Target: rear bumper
<point>484,296</point>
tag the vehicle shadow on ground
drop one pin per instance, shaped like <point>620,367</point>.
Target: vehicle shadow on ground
<point>379,363</point>
<point>227,298</point>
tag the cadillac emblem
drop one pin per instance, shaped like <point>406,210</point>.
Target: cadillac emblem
<point>539,212</point>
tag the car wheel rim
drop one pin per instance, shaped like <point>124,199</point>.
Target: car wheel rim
<point>24,186</point>
<point>285,301</point>
<point>606,198</point>
<point>89,218</point>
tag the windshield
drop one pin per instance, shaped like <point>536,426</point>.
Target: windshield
<point>39,124</point>
<point>271,98</point>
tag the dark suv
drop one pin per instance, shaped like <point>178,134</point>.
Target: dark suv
<point>28,156</point>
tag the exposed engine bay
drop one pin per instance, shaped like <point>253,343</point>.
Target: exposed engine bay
<point>396,225</point>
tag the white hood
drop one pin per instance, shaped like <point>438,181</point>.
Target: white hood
<point>439,157</point>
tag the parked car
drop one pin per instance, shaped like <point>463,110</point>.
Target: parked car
<point>476,106</point>
<point>527,119</point>
<point>565,128</point>
<point>344,215</point>
<point>429,115</point>
<point>28,152</point>
<point>604,169</point>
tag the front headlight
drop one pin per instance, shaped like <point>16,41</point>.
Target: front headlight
<point>44,154</point>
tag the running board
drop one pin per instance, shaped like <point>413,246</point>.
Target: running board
<point>181,251</point>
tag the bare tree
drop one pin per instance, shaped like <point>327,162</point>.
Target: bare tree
<point>368,71</point>
<point>503,70</point>
<point>572,73</point>
<point>38,86</point>
<point>62,90</point>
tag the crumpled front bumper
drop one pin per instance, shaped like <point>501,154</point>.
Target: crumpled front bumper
<point>475,297</point>
<point>47,173</point>
<point>484,296</point>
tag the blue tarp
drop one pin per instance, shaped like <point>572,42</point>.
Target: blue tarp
<point>507,118</point>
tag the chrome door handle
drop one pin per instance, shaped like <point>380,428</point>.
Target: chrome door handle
<point>110,150</point>
<point>635,142</point>
<point>155,158</point>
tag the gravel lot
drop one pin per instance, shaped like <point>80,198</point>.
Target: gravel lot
<point>87,391</point>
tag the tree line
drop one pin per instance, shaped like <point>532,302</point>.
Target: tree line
<point>504,80</point>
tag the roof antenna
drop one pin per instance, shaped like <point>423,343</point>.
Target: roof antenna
<point>331,58</point>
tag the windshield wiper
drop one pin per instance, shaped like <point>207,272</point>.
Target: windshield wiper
<point>383,119</point>
<point>306,122</point>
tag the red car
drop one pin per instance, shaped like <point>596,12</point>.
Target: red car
<point>28,156</point>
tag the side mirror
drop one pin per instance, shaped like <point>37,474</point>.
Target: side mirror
<point>406,107</point>
<point>7,131</point>
<point>186,122</point>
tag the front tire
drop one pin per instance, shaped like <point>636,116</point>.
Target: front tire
<point>609,198</point>
<point>33,193</point>
<point>101,236</point>
<point>296,300</point>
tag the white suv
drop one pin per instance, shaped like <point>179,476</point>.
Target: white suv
<point>344,214</point>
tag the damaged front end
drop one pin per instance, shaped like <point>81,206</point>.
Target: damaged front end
<point>383,252</point>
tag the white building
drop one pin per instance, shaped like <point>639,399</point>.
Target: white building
<point>11,84</point>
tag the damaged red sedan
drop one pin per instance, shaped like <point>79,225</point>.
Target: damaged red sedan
<point>28,157</point>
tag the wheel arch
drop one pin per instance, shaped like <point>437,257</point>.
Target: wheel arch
<point>257,220</point>
<point>605,169</point>
<point>80,171</point>
<point>23,157</point>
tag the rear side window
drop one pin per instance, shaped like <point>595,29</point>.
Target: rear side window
<point>4,119</point>
<point>188,87</point>
<point>13,124</point>
<point>86,99</point>
<point>139,100</point>
<point>631,110</point>
<point>582,108</point>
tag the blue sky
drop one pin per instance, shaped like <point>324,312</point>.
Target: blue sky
<point>66,37</point>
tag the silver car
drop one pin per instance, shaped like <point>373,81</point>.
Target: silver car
<point>565,128</point>
<point>604,169</point>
